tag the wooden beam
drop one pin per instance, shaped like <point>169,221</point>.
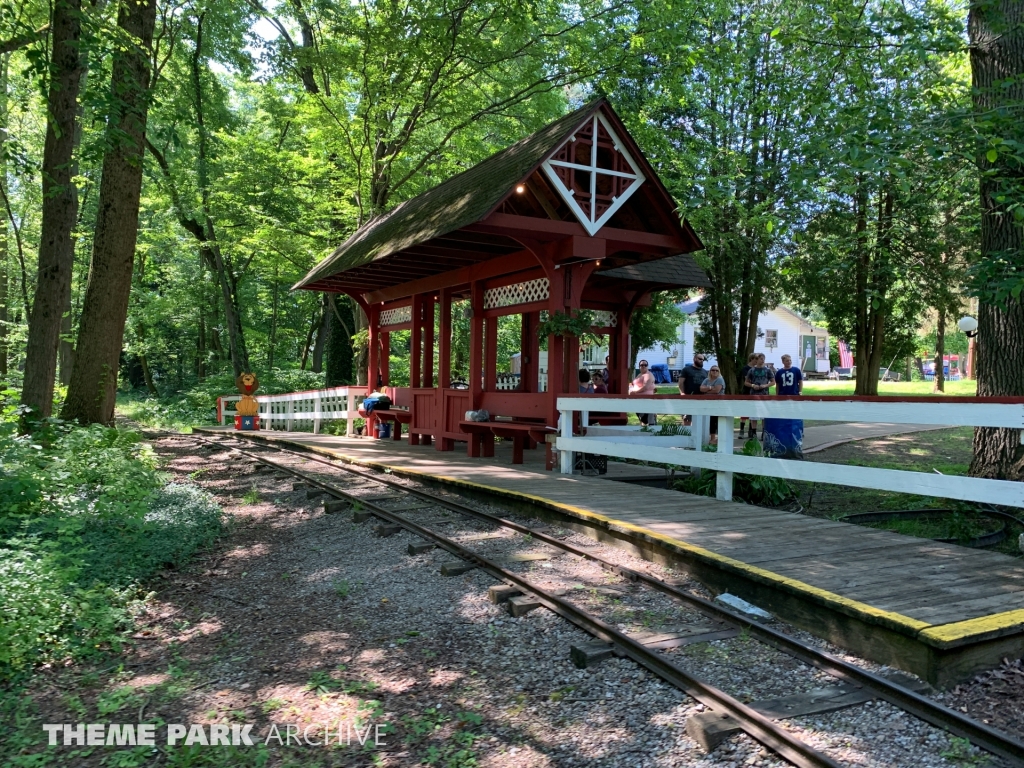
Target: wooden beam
<point>415,358</point>
<point>444,351</point>
<point>541,198</point>
<point>491,268</point>
<point>476,341</point>
<point>622,239</point>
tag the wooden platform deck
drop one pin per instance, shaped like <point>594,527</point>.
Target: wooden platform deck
<point>938,610</point>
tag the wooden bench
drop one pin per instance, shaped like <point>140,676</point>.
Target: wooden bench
<point>396,415</point>
<point>481,438</point>
<point>522,433</point>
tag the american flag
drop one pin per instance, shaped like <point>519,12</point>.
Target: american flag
<point>845,356</point>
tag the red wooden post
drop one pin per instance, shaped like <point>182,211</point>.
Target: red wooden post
<point>415,361</point>
<point>527,383</point>
<point>623,373</point>
<point>427,379</point>
<point>444,345</point>
<point>444,369</point>
<point>491,355</point>
<point>476,341</point>
<point>556,349</point>
<point>373,340</point>
<point>373,368</point>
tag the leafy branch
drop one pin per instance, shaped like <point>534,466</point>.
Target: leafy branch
<point>578,325</point>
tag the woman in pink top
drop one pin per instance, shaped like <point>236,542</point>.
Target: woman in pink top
<point>644,385</point>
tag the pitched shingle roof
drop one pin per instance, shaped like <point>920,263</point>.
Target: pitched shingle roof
<point>461,200</point>
<point>681,270</point>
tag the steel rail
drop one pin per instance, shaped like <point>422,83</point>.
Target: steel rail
<point>980,734</point>
<point>752,722</point>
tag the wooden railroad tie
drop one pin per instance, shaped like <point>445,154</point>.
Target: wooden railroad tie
<point>590,654</point>
<point>420,548</point>
<point>387,529</point>
<point>709,729</point>
<point>332,506</point>
<point>361,515</point>
<point>458,567</point>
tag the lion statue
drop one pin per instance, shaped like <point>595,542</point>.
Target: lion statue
<point>247,384</point>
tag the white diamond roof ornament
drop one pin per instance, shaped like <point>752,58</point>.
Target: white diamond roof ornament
<point>593,173</point>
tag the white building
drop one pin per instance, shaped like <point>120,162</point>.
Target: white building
<point>780,331</point>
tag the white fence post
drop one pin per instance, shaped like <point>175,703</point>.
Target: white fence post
<point>723,484</point>
<point>350,409</point>
<point>565,430</point>
<point>316,413</point>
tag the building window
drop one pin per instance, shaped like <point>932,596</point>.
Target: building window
<point>771,339</point>
<point>822,348</point>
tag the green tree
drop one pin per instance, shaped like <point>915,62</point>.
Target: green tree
<point>996,30</point>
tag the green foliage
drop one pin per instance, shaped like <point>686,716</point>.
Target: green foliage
<point>578,324</point>
<point>658,324</point>
<point>84,517</point>
<point>198,404</point>
<point>753,489</point>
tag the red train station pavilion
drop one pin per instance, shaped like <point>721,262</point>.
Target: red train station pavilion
<point>572,217</point>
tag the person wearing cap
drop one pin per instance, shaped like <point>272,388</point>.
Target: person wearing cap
<point>644,385</point>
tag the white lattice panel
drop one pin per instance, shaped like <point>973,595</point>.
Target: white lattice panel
<point>396,316</point>
<point>520,293</point>
<point>604,319</point>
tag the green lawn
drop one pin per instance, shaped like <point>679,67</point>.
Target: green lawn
<point>894,388</point>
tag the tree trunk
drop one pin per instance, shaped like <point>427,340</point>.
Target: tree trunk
<point>996,29</point>
<point>201,347</point>
<point>321,336</point>
<point>59,210</point>
<point>147,376</point>
<point>66,350</point>
<point>940,352</point>
<point>313,325</point>
<point>338,350</point>
<point>273,327</point>
<point>105,309</point>
<point>861,343</point>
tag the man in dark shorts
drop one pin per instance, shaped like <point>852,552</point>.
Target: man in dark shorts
<point>690,379</point>
<point>760,381</point>
<point>744,422</point>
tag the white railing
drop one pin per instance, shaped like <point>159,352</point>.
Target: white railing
<point>631,443</point>
<point>301,411</point>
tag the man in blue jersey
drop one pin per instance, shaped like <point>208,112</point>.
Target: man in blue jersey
<point>789,380</point>
<point>784,438</point>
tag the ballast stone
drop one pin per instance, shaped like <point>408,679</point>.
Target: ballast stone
<point>741,605</point>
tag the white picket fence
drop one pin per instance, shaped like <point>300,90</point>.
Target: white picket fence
<point>631,443</point>
<point>301,411</point>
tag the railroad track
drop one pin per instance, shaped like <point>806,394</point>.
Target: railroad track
<point>731,713</point>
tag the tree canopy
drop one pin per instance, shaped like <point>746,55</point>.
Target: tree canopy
<point>828,154</point>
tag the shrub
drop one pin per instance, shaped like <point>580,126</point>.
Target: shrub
<point>753,489</point>
<point>85,516</point>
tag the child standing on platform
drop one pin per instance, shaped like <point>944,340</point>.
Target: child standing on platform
<point>790,380</point>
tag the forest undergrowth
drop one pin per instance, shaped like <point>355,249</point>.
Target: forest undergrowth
<point>86,517</point>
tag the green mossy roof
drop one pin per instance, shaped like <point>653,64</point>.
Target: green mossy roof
<point>461,200</point>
